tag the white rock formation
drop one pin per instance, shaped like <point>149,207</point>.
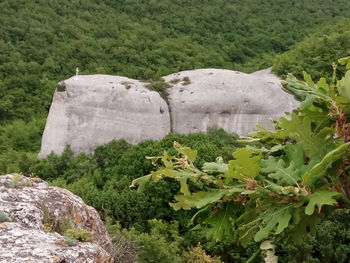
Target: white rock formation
<point>95,109</point>
<point>234,101</point>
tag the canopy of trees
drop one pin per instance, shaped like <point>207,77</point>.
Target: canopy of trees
<point>316,53</point>
<point>42,42</point>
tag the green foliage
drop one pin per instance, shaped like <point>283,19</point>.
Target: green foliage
<point>12,184</point>
<point>267,194</point>
<point>160,244</point>
<point>320,198</point>
<point>3,217</point>
<point>42,43</point>
<point>48,221</point>
<point>109,154</point>
<point>53,225</point>
<point>54,166</point>
<point>198,255</point>
<point>245,164</point>
<point>276,169</point>
<point>159,86</point>
<point>329,244</point>
<point>103,180</point>
<point>147,40</point>
<point>70,241</point>
<point>19,143</point>
<point>138,39</point>
<point>316,53</point>
<point>79,234</point>
<point>186,81</point>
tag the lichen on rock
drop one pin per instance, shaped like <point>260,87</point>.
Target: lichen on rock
<point>37,217</point>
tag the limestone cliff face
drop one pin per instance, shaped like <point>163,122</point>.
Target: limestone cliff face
<point>232,100</point>
<point>92,110</point>
<point>30,214</point>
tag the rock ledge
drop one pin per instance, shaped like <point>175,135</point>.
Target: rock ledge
<point>31,211</point>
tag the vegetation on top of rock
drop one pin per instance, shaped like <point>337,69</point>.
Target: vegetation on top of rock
<point>3,217</point>
<point>159,86</point>
<point>70,241</point>
<point>78,234</point>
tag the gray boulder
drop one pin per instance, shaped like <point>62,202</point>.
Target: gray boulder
<point>235,101</point>
<point>32,216</point>
<point>88,111</point>
<point>91,110</point>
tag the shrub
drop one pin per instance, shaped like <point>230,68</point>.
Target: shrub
<point>3,217</point>
<point>79,234</point>
<point>160,244</point>
<point>198,255</point>
<point>70,241</point>
<point>159,86</point>
<point>186,81</point>
<point>175,81</point>
<point>12,184</point>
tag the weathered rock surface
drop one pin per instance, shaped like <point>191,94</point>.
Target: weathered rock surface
<point>33,209</point>
<point>95,109</point>
<point>232,100</point>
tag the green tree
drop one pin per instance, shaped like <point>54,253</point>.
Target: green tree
<point>278,192</point>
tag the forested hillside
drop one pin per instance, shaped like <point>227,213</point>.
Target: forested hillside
<point>315,54</point>
<point>43,42</point>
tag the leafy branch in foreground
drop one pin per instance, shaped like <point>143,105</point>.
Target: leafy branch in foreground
<point>295,180</point>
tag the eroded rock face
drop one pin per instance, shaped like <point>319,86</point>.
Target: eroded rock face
<point>91,110</point>
<point>34,211</point>
<point>234,101</point>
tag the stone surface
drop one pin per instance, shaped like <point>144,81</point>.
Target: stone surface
<point>32,207</point>
<point>95,109</point>
<point>234,101</point>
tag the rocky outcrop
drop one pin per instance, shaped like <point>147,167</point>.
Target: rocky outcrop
<point>34,217</point>
<point>91,110</point>
<point>88,111</point>
<point>235,101</point>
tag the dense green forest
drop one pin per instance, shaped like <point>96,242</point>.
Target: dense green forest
<point>315,54</point>
<point>42,42</point>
